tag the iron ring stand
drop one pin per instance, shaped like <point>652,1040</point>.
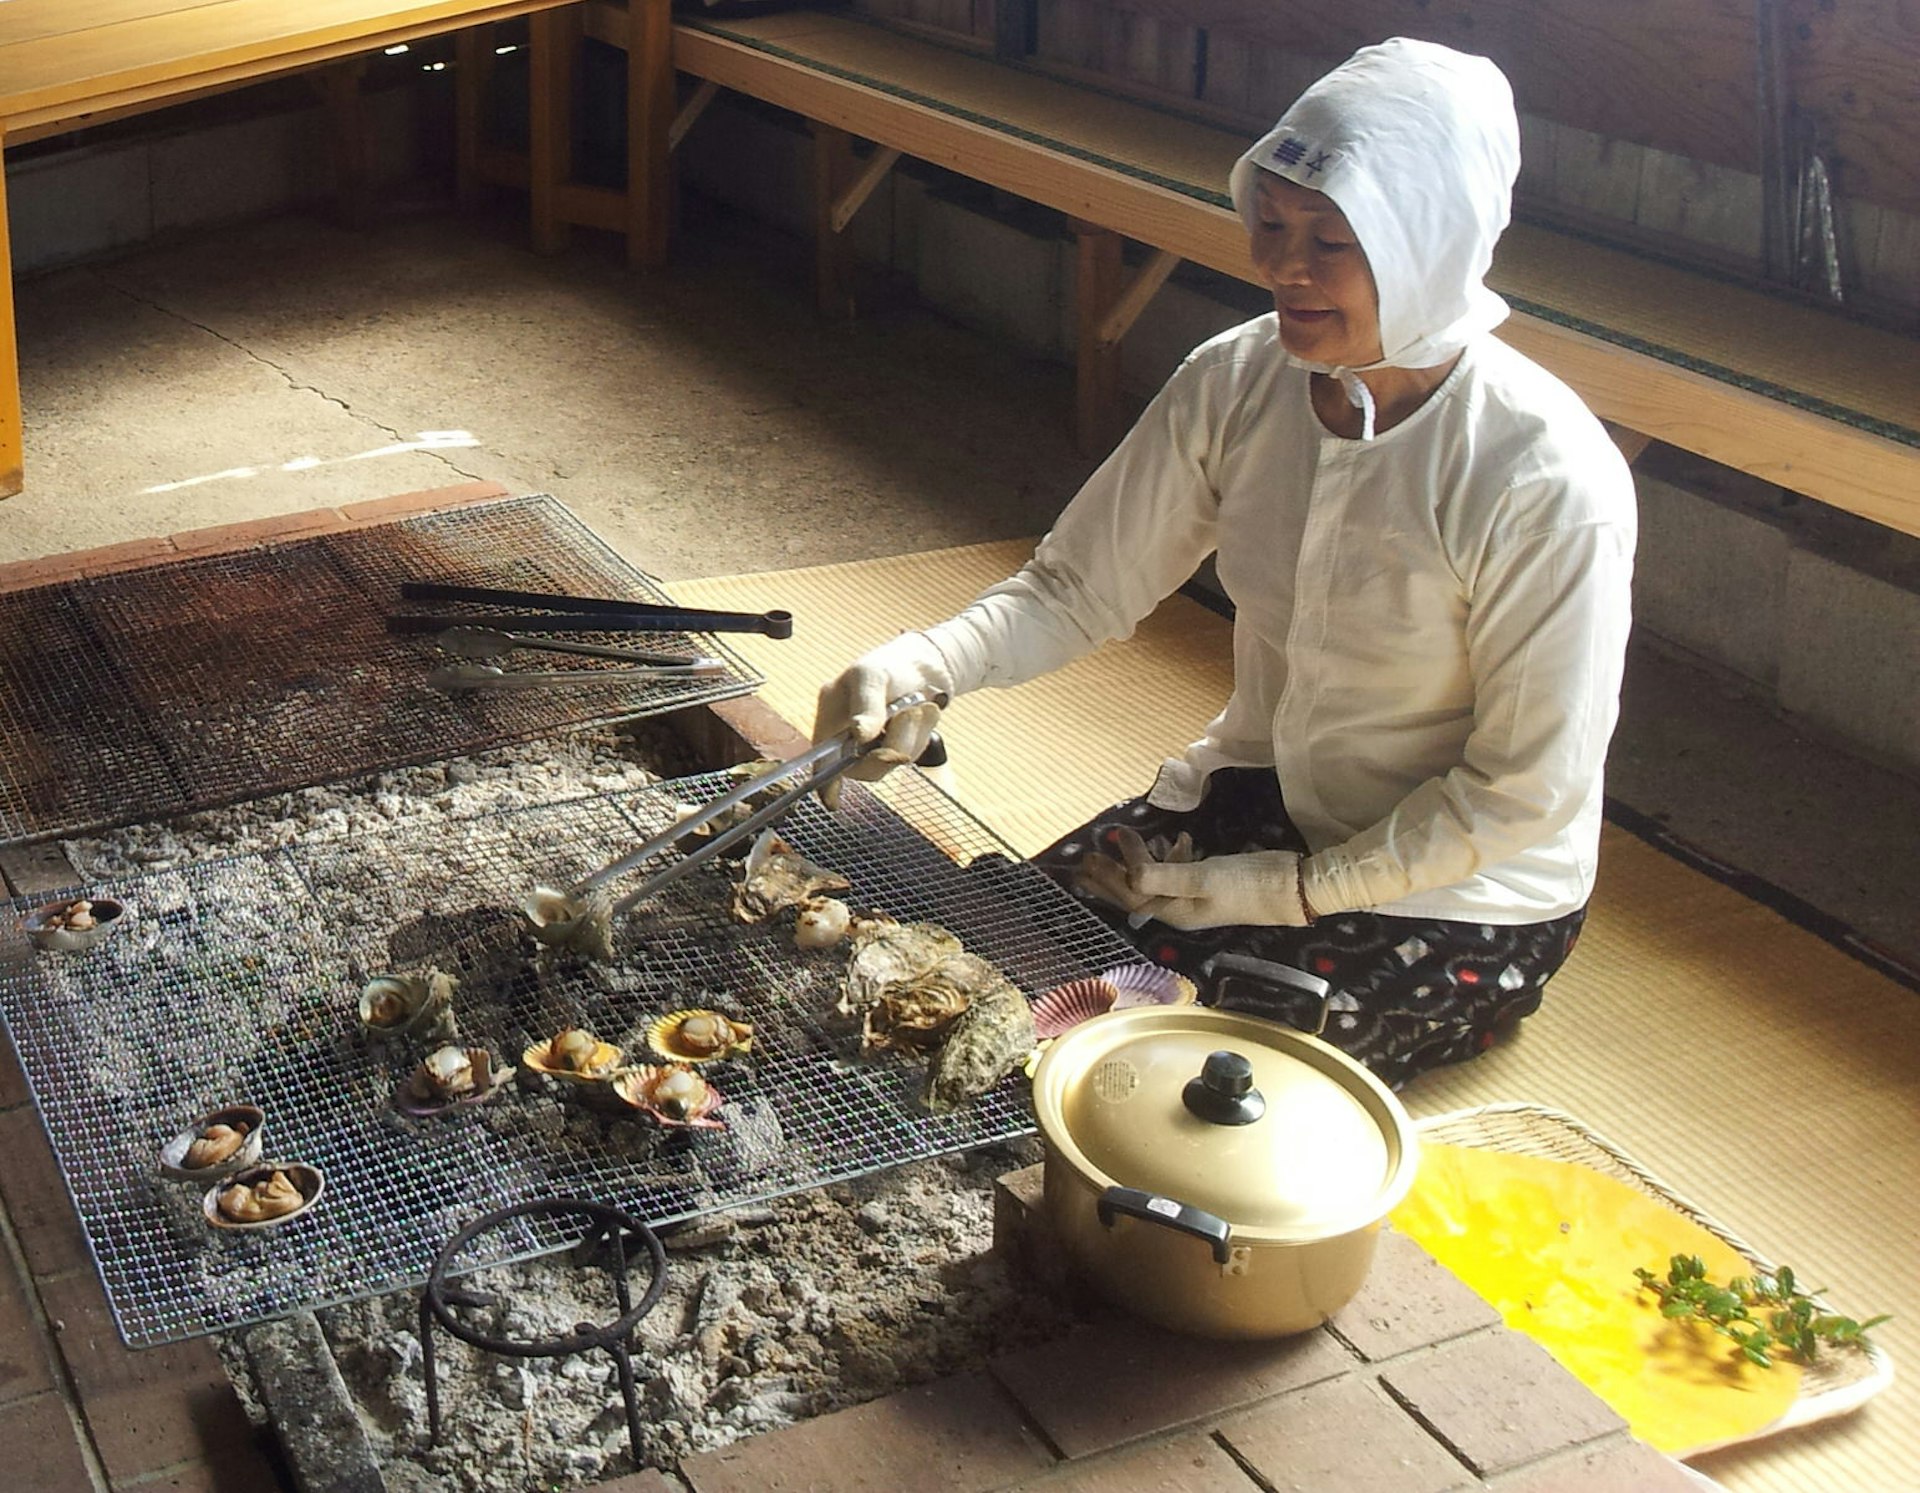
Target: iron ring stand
<point>438,1298</point>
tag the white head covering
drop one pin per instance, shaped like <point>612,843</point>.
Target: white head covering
<point>1418,145</point>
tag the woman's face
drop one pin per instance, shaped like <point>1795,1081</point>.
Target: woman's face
<point>1322,286</point>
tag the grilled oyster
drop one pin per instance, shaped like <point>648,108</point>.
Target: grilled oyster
<point>886,955</point>
<point>778,877</point>
<point>417,1003</point>
<point>915,1016</point>
<point>674,1096</point>
<point>989,1040</point>
<point>575,1055</point>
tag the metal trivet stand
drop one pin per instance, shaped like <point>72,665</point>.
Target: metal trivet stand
<point>609,1225</point>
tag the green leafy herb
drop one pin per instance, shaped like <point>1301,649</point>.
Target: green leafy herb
<point>1763,1314</point>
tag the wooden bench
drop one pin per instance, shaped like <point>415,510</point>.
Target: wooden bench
<point>68,64</point>
<point>1808,399</point>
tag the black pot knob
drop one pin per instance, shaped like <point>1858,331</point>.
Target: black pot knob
<point>1224,1094</point>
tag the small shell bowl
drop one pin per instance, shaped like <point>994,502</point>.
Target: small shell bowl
<point>46,928</point>
<point>306,1179</point>
<point>1065,1006</point>
<point>173,1155</point>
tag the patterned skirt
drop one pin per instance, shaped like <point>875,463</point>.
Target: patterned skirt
<point>1407,994</point>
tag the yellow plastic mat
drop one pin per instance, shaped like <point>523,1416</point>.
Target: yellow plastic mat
<point>1767,1074</point>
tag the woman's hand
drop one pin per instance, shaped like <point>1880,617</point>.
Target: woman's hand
<point>1261,888</point>
<point>857,701</point>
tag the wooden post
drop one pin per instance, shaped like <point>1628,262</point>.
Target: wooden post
<point>10,425</point>
<point>549,123</point>
<point>472,63</point>
<point>833,170</point>
<point>346,122</point>
<point>650,110</point>
<point>1099,272</point>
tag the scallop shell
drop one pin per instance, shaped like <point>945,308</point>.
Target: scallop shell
<point>674,1096</point>
<point>1150,985</point>
<point>699,1036</point>
<point>249,1118</point>
<point>45,931</point>
<point>597,1067</point>
<point>1064,1006</point>
<point>410,1003</point>
<point>306,1179</point>
<point>426,1090</point>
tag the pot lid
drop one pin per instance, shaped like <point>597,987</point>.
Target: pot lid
<point>1280,1134</point>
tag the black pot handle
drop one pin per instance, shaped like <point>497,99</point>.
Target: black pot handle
<point>1270,974</point>
<point>1150,1207</point>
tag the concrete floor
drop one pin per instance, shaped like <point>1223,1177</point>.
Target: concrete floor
<point>705,422</point>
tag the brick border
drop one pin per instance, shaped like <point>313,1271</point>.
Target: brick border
<point>48,570</point>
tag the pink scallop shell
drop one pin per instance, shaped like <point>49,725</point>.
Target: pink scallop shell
<point>1070,1004</point>
<point>1149,985</point>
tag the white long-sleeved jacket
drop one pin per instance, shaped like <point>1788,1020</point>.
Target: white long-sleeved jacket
<point>1430,625</point>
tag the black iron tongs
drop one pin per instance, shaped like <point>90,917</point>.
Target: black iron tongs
<point>580,613</point>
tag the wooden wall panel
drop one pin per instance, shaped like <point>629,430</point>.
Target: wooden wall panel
<point>1853,68</point>
<point>1675,74</point>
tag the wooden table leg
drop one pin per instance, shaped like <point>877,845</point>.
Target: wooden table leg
<point>551,36</point>
<point>650,110</point>
<point>472,58</point>
<point>1098,276</point>
<point>10,426</point>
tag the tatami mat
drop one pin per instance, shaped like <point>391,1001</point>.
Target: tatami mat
<point>1768,1076</point>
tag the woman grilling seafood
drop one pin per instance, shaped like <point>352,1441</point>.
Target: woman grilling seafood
<point>1427,540</point>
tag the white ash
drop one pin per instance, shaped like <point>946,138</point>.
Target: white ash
<point>771,1314</point>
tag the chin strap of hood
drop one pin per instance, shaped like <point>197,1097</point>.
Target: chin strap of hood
<point>1418,145</point>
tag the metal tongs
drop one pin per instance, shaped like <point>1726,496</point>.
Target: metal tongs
<point>582,918</point>
<point>823,763</point>
<point>583,613</point>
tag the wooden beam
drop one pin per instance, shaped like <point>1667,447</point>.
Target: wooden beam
<point>10,423</point>
<point>549,125</point>
<point>1632,443</point>
<point>833,168</point>
<point>1133,300</point>
<point>690,112</point>
<point>347,129</point>
<point>472,65</point>
<point>878,165</point>
<point>650,101</point>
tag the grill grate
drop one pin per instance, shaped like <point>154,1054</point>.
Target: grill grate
<point>206,680</point>
<point>237,981</point>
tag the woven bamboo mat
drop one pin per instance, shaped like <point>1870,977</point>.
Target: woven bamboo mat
<point>1768,1076</point>
<point>1812,358</point>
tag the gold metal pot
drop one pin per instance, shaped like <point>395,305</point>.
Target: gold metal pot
<point>1217,1173</point>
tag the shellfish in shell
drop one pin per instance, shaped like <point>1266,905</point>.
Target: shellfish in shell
<point>450,1076</point>
<point>888,954</point>
<point>698,1036</point>
<point>219,1143</point>
<point>673,1095</point>
<point>1149,985</point>
<point>263,1196</point>
<point>80,923</point>
<point>575,1055</point>
<point>415,1003</point>
<point>776,877</point>
<point>581,922</point>
<point>917,1015</point>
<point>993,1037</point>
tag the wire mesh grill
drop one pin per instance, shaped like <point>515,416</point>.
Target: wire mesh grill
<point>238,981</point>
<point>206,680</point>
